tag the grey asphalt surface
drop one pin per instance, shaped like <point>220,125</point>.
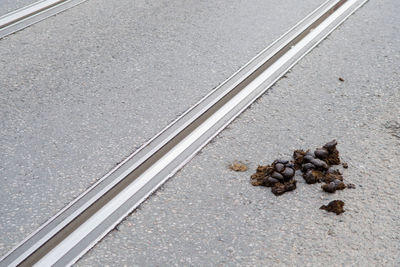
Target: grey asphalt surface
<point>82,90</point>
<point>208,215</point>
<point>6,6</point>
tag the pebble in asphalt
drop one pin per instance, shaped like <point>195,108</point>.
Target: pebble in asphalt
<point>208,215</point>
<point>82,90</point>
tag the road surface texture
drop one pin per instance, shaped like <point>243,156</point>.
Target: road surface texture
<point>82,90</point>
<point>208,215</point>
<point>6,6</point>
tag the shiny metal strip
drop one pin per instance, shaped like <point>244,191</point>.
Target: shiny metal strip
<point>26,16</point>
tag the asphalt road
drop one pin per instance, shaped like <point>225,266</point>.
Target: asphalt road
<point>208,215</point>
<point>82,90</point>
<point>6,6</point>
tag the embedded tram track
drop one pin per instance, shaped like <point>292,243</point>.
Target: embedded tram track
<point>79,226</point>
<point>31,14</point>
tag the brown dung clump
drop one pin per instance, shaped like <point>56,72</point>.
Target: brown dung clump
<point>281,188</point>
<point>335,206</point>
<point>316,167</point>
<point>351,186</point>
<point>298,156</point>
<point>279,176</point>
<point>333,186</point>
<point>238,167</point>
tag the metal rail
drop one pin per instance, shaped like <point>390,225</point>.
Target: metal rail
<point>26,16</point>
<point>79,226</point>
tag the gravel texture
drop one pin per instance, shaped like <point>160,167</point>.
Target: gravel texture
<point>209,215</point>
<point>82,90</point>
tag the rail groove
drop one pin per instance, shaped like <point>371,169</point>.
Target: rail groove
<point>79,226</point>
<point>31,14</point>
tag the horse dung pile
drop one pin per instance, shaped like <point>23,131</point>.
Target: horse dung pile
<point>315,167</point>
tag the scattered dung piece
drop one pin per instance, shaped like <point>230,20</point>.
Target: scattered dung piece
<point>260,177</point>
<point>308,158</point>
<point>330,188</point>
<point>280,188</point>
<point>333,158</point>
<point>333,170</point>
<point>321,153</point>
<point>279,175</point>
<point>330,146</point>
<point>345,165</point>
<point>333,186</point>
<point>351,186</point>
<point>310,153</point>
<point>320,159</point>
<point>316,167</point>
<point>332,176</point>
<point>283,161</point>
<point>279,167</point>
<point>271,181</point>
<point>298,156</point>
<point>307,166</point>
<point>341,79</point>
<point>313,176</point>
<point>339,185</point>
<point>319,164</point>
<point>238,167</point>
<point>288,173</point>
<point>335,206</point>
